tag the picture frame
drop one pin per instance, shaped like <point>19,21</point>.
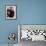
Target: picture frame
<point>10,12</point>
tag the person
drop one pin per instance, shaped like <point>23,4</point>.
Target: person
<point>10,12</point>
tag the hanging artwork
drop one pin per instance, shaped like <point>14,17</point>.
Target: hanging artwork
<point>10,12</point>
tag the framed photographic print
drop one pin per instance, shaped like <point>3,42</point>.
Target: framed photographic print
<point>10,12</point>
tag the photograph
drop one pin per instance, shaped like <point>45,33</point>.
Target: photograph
<point>10,12</point>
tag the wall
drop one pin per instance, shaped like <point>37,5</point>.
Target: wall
<point>7,26</point>
<point>33,12</point>
<point>28,12</point>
